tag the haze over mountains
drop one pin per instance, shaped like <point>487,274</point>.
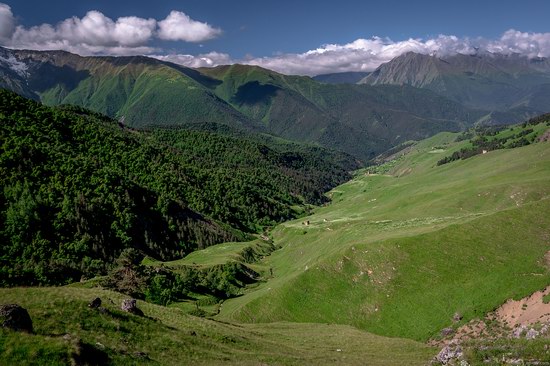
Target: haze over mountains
<point>411,97</point>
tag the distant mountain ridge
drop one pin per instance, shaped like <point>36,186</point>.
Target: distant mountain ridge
<point>350,77</point>
<point>512,83</point>
<point>408,98</point>
<point>361,120</point>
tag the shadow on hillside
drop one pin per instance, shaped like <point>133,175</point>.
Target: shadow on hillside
<point>47,76</point>
<point>253,92</point>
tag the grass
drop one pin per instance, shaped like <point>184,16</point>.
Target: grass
<point>65,328</point>
<point>399,255</point>
<point>394,255</point>
<point>506,351</point>
<point>216,254</point>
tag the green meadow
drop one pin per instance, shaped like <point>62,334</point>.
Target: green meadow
<point>397,254</point>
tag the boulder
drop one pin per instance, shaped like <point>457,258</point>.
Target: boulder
<point>532,334</point>
<point>518,331</point>
<point>130,306</point>
<point>445,332</point>
<point>15,317</point>
<point>95,303</point>
<point>449,353</point>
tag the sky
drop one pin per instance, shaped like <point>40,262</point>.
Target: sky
<point>295,37</point>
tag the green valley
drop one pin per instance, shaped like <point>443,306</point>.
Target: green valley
<point>372,277</point>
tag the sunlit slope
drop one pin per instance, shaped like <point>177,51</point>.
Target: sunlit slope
<point>400,254</point>
<point>66,332</point>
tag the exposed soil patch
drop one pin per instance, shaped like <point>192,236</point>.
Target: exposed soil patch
<point>526,311</point>
<point>513,315</point>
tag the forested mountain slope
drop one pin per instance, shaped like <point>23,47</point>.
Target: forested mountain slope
<point>78,188</point>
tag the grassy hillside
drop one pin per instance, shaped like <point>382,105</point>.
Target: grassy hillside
<point>66,330</point>
<point>351,77</point>
<point>358,119</point>
<point>413,244</point>
<point>78,188</point>
<point>143,90</point>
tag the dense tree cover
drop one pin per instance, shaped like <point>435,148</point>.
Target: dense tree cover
<point>78,189</point>
<point>488,138</point>
<point>287,174</point>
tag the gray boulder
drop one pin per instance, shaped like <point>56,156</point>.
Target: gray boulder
<point>129,305</point>
<point>452,351</point>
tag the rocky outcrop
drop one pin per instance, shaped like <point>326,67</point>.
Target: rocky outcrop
<point>450,353</point>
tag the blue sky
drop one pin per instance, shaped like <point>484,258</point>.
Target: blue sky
<point>242,30</point>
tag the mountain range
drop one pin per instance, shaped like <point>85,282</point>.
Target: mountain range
<point>411,97</point>
<point>512,87</point>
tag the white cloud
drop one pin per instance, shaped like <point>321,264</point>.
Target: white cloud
<point>179,27</point>
<point>359,55</point>
<point>203,60</point>
<point>368,54</point>
<point>528,44</point>
<point>96,33</point>
<point>7,22</point>
<point>96,29</point>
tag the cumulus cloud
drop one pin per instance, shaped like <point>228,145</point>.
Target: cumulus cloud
<point>179,27</point>
<point>368,54</point>
<point>203,60</point>
<point>359,55</point>
<point>96,33</point>
<point>528,44</point>
<point>7,22</point>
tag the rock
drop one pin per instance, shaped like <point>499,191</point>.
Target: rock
<point>15,317</point>
<point>445,332</point>
<point>95,303</point>
<point>532,334</point>
<point>141,355</point>
<point>518,331</point>
<point>457,317</point>
<point>130,306</point>
<point>452,351</point>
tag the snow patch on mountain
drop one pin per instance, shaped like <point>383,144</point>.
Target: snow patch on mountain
<point>20,68</point>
